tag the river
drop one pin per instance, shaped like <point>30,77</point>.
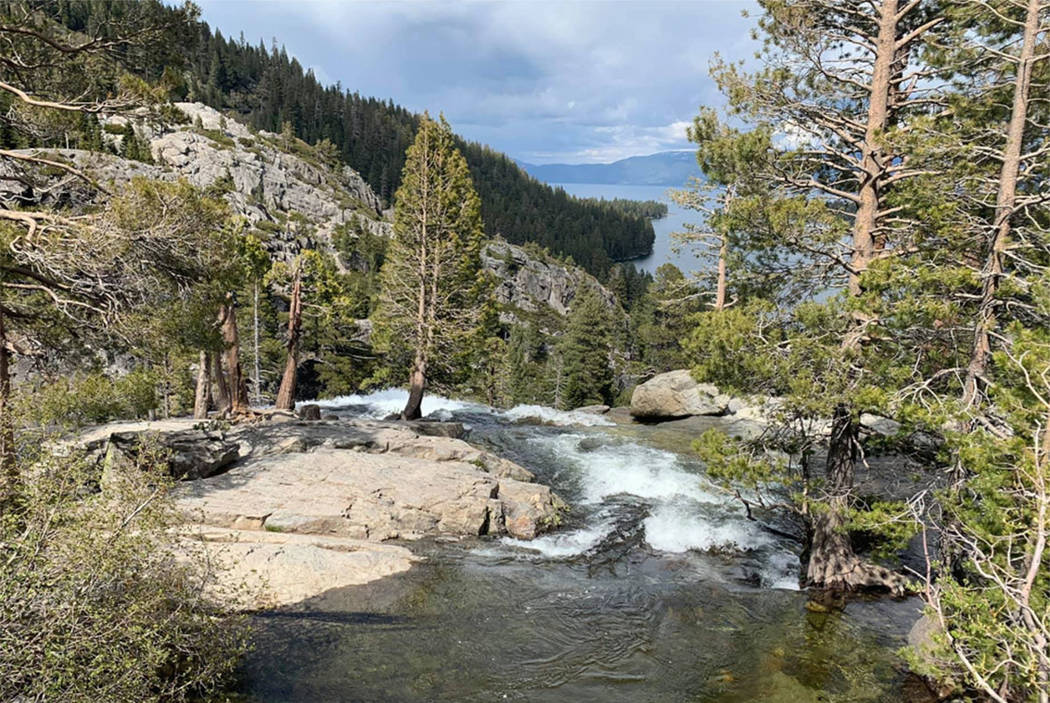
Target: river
<point>664,248</point>
<point>655,589</point>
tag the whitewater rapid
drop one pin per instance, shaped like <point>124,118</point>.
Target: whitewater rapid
<point>684,512</point>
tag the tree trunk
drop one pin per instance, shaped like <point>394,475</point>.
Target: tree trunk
<point>416,384</point>
<point>221,396</point>
<point>238,389</point>
<point>166,386</point>
<point>866,220</point>
<point>720,289</point>
<point>832,562</point>
<point>1004,209</point>
<point>9,479</point>
<point>200,398</point>
<point>286,392</point>
<point>256,382</point>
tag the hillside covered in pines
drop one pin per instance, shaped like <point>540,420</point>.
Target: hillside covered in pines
<point>266,89</point>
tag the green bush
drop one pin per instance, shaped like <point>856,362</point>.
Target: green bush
<point>91,398</point>
<point>97,600</point>
<point>268,226</point>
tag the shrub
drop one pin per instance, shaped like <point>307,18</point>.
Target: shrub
<point>97,603</point>
<point>91,398</point>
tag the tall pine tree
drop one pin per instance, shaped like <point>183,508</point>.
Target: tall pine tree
<point>430,303</point>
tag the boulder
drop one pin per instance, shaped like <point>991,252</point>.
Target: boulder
<point>310,412</point>
<point>675,395</point>
<point>430,428</point>
<point>192,454</point>
<point>923,642</point>
<point>593,409</point>
<point>879,425</point>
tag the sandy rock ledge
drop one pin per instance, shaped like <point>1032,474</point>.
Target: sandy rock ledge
<point>297,507</point>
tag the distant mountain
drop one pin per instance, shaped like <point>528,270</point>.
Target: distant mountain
<point>667,168</point>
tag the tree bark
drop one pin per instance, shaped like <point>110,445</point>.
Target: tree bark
<point>9,478</point>
<point>873,166</point>
<point>416,385</point>
<point>286,392</point>
<point>237,388</point>
<point>200,398</point>
<point>256,383</point>
<point>1005,200</point>
<point>221,396</point>
<point>832,563</point>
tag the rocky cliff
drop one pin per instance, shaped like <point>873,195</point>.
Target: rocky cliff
<point>531,282</point>
<point>293,192</point>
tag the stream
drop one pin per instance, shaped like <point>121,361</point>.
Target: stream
<point>656,588</point>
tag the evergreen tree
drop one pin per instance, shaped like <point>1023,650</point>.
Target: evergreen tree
<point>429,303</point>
<point>585,350</point>
<point>267,88</point>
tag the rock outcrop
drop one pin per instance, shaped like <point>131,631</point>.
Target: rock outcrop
<point>259,569</point>
<point>299,506</point>
<point>674,395</point>
<point>294,194</point>
<point>531,283</point>
<point>364,479</point>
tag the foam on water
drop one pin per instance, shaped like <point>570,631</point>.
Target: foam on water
<point>677,527</point>
<point>686,511</point>
<point>551,416</point>
<point>563,545</point>
<point>380,404</point>
<point>606,470</point>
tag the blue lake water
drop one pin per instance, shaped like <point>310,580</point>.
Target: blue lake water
<point>665,249</point>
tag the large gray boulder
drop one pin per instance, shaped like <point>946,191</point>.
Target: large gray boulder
<point>191,454</point>
<point>676,394</point>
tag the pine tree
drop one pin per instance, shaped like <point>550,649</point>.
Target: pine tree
<point>429,305</point>
<point>585,350</point>
<point>838,77</point>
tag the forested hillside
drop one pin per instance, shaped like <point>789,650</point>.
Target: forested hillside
<point>267,89</point>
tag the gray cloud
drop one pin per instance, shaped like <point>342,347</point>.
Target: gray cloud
<point>542,81</point>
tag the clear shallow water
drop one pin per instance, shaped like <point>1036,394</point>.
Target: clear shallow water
<point>655,589</point>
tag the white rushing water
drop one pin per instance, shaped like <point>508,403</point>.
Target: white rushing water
<point>686,511</point>
<point>550,416</point>
<point>381,404</point>
<point>391,401</point>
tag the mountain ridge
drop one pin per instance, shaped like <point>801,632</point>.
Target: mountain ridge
<point>664,168</point>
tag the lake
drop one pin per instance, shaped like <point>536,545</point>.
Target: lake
<point>664,249</point>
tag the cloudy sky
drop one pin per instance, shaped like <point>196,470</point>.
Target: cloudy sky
<point>545,82</point>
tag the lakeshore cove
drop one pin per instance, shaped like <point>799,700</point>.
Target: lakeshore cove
<point>665,249</point>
